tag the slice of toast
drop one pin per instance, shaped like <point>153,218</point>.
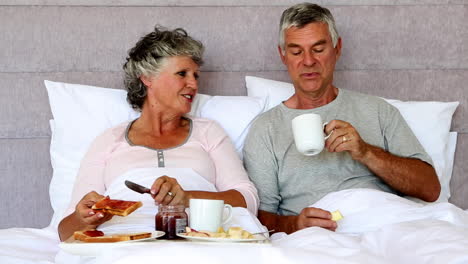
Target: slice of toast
<point>116,207</point>
<point>83,236</point>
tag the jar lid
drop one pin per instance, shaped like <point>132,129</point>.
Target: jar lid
<point>172,208</point>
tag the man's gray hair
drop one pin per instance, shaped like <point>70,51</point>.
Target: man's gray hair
<point>149,55</point>
<point>303,14</point>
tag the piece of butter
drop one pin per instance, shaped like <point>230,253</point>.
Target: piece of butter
<point>336,216</point>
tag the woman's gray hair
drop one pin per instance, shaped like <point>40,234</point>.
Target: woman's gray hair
<point>303,14</point>
<point>148,57</point>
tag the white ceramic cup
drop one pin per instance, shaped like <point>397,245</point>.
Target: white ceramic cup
<point>205,214</point>
<point>309,134</point>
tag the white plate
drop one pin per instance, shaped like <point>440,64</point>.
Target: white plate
<point>94,249</point>
<point>256,238</point>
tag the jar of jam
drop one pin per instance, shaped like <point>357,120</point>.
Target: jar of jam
<point>172,220</point>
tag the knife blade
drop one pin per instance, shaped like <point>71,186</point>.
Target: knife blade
<point>137,187</point>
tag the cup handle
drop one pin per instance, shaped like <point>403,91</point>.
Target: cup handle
<point>229,207</point>
<point>327,136</point>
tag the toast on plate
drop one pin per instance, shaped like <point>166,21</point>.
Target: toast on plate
<point>96,236</point>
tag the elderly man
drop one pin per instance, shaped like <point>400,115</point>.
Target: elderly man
<point>371,145</point>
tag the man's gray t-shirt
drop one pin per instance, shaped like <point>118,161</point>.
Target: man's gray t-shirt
<point>288,181</point>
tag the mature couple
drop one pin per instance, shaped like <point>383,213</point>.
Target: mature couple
<point>371,145</point>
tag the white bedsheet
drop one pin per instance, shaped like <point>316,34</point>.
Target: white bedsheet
<point>28,245</point>
<point>377,228</point>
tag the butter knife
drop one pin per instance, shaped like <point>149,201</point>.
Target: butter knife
<point>137,187</point>
<point>264,232</point>
<point>141,189</point>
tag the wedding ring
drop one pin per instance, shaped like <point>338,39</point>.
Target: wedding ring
<point>170,194</point>
<point>344,139</point>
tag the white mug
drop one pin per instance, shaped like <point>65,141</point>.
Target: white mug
<point>205,214</point>
<point>309,135</point>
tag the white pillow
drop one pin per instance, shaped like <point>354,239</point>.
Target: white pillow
<point>273,92</point>
<point>234,114</point>
<point>422,118</point>
<point>82,112</point>
<point>450,159</point>
<point>430,122</point>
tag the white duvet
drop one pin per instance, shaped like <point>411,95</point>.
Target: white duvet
<point>377,228</point>
<point>385,227</point>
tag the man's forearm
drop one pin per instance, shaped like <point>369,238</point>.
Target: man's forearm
<point>407,175</point>
<point>279,223</point>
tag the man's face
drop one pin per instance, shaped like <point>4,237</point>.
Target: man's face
<point>310,57</point>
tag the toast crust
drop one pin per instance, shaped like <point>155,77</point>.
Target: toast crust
<point>81,236</point>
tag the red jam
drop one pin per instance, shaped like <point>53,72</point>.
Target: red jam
<point>172,220</point>
<point>93,233</point>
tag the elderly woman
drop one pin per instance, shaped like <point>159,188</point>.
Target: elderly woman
<point>161,76</point>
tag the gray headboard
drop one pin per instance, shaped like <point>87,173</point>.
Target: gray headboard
<point>409,50</point>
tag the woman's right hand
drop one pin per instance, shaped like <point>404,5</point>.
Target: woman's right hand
<point>88,216</point>
<point>166,190</point>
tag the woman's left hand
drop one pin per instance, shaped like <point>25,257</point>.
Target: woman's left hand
<point>166,190</point>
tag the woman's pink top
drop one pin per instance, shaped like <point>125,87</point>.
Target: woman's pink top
<point>207,150</point>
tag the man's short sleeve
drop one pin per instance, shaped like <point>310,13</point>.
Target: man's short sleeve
<point>261,165</point>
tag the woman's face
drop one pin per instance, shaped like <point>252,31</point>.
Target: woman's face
<point>175,87</point>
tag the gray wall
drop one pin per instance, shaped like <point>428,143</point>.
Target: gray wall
<point>409,50</point>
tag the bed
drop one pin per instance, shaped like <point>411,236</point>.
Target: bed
<point>62,60</point>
